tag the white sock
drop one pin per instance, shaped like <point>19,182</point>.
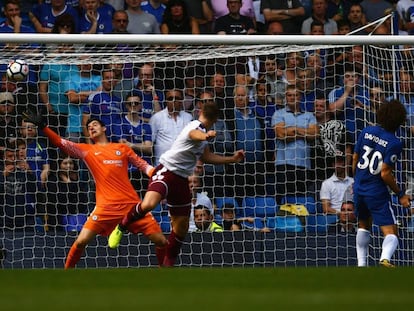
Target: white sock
<point>363,238</point>
<point>389,245</point>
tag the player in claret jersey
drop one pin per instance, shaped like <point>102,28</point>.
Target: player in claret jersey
<point>115,196</point>
<point>375,155</point>
<point>170,180</point>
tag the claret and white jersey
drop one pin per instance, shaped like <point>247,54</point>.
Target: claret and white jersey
<point>182,157</point>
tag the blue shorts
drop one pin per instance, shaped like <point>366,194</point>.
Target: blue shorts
<point>379,208</point>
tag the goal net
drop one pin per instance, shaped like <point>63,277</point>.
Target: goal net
<point>275,199</point>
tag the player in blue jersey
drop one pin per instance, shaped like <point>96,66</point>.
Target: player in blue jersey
<point>375,155</point>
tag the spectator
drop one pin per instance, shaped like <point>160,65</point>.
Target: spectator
<point>140,22</point>
<point>223,99</point>
<point>39,158</point>
<point>273,76</point>
<point>176,19</point>
<point>151,98</point>
<point>221,8</point>
<point>14,21</point>
<point>349,101</point>
<point>234,23</point>
<point>201,11</point>
<point>154,7</point>
<point>248,135</point>
<point>104,106</point>
<point>305,83</point>
<point>44,15</point>
<point>17,193</point>
<point>333,189</point>
<point>216,180</point>
<point>294,61</point>
<point>264,107</point>
<point>344,26</point>
<point>375,9</point>
<point>122,73</point>
<point>168,123</point>
<point>25,93</point>
<point>53,84</point>
<point>316,28</point>
<point>347,219</point>
<point>333,141</point>
<point>137,135</point>
<point>356,18</point>
<point>120,22</point>
<point>295,130</point>
<point>232,223</point>
<point>82,84</point>
<point>319,13</point>
<point>193,83</point>
<point>204,220</point>
<point>338,9</point>
<point>198,198</point>
<point>8,119</point>
<point>67,194</point>
<point>288,12</point>
<point>275,28</point>
<point>92,21</point>
<point>405,22</point>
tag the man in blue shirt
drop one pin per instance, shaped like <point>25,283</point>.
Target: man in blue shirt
<point>375,155</point>
<point>294,129</point>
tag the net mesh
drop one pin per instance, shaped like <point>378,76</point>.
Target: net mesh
<point>41,220</point>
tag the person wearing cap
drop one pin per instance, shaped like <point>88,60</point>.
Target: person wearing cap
<point>8,122</point>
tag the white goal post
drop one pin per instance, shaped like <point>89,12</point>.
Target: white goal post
<point>312,240</point>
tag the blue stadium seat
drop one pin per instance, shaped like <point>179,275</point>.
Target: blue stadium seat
<point>74,223</point>
<point>221,201</point>
<point>320,223</point>
<point>284,224</point>
<point>308,201</point>
<point>261,207</point>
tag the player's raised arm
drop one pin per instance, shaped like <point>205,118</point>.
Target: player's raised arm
<point>140,163</point>
<point>66,145</point>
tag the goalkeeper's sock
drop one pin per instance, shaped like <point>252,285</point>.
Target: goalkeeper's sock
<point>172,250</point>
<point>134,214</point>
<point>74,256</point>
<point>363,237</point>
<point>389,245</point>
<point>160,251</point>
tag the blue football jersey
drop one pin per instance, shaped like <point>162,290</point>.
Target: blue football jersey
<point>374,147</point>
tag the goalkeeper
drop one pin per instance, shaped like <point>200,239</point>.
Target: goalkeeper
<point>170,180</point>
<point>115,196</point>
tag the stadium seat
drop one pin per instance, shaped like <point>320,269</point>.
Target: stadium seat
<point>284,224</point>
<point>308,201</point>
<point>73,223</point>
<point>261,207</point>
<point>221,201</point>
<point>320,223</point>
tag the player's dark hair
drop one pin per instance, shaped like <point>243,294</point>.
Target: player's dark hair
<point>95,119</point>
<point>391,115</point>
<point>211,111</point>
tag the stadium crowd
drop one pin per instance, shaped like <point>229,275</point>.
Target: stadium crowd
<point>296,115</point>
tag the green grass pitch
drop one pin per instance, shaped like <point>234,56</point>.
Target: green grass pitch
<point>208,289</point>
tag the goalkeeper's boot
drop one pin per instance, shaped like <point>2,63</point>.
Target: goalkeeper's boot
<point>115,237</point>
<point>386,263</point>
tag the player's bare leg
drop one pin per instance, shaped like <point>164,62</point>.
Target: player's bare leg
<point>76,251</point>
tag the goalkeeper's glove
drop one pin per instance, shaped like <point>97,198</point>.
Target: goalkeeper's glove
<point>35,118</point>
